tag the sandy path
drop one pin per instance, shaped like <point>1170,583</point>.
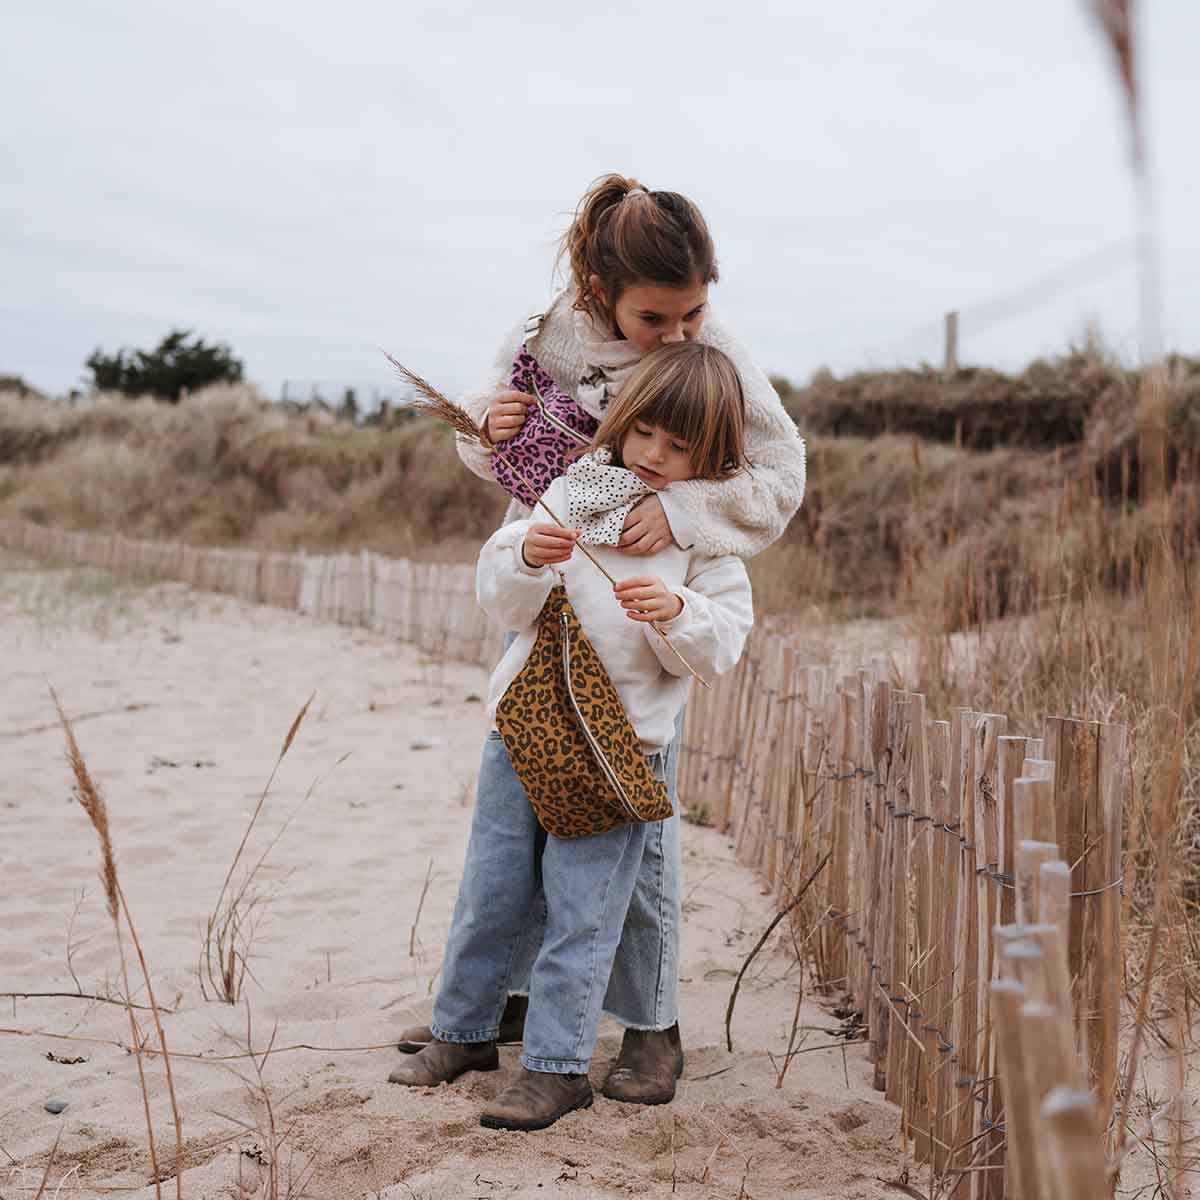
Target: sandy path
<point>221,682</point>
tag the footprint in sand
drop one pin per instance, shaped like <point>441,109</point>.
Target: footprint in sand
<point>195,837</point>
<point>147,855</point>
<point>371,864</point>
<point>30,918</point>
<point>320,895</point>
<point>16,958</point>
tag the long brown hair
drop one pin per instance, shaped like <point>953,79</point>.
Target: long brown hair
<point>694,392</point>
<point>624,234</point>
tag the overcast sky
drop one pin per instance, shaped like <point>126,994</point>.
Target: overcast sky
<point>310,182</point>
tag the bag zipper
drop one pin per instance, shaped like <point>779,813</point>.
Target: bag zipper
<point>561,426</point>
<point>605,765</point>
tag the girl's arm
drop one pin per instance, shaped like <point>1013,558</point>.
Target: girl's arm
<point>745,514</point>
<point>718,613</point>
<point>508,589</point>
<point>476,402</point>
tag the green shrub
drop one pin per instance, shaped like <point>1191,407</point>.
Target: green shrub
<point>174,367</point>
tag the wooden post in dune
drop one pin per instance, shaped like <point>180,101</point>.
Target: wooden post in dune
<point>920,1063</point>
<point>841,785</point>
<point>966,951</point>
<point>950,356</point>
<point>1007,999</point>
<point>898,808</point>
<point>1072,1120</point>
<point>1089,782</point>
<point>945,881</point>
<point>1029,859</point>
<point>751,801</point>
<point>880,892</point>
<point>1010,760</point>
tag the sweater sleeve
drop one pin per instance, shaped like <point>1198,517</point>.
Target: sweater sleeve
<point>718,613</point>
<point>508,589</point>
<point>745,514</point>
<point>476,402</point>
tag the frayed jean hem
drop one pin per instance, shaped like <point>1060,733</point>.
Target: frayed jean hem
<point>471,1037</point>
<point>641,1028</point>
<point>555,1066</point>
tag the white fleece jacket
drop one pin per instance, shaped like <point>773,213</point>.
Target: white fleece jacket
<point>710,632</point>
<point>742,515</point>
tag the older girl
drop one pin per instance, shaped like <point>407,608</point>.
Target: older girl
<point>641,264</point>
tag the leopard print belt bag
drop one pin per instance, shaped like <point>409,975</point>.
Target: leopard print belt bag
<point>569,738</point>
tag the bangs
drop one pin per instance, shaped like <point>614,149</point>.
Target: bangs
<point>691,391</point>
<point>676,411</point>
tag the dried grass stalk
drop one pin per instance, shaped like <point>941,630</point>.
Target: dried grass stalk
<point>229,931</point>
<point>92,802</point>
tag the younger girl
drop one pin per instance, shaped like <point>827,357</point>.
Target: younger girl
<point>641,265</point>
<point>679,417</point>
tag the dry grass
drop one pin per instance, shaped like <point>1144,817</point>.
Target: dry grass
<point>227,468</point>
<point>229,933</point>
<point>92,802</point>
<point>272,1177</point>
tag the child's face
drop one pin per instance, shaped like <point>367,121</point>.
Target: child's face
<point>650,315</point>
<point>655,456</point>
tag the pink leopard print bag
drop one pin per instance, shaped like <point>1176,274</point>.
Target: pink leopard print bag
<point>554,427</point>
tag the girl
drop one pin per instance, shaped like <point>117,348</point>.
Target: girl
<point>679,417</point>
<point>641,264</point>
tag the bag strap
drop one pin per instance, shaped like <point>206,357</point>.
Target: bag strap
<point>533,326</point>
<point>601,758</point>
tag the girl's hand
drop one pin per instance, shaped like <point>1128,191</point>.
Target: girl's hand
<point>506,415</point>
<point>546,544</point>
<point>647,598</point>
<point>647,529</point>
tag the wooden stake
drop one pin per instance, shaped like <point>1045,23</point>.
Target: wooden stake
<point>1072,1121</point>
<point>1008,997</point>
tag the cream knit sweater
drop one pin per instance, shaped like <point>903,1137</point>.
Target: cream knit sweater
<point>742,515</point>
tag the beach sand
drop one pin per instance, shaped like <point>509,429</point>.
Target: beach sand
<point>181,701</point>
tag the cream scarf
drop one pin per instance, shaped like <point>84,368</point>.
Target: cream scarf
<point>600,497</point>
<point>609,362</point>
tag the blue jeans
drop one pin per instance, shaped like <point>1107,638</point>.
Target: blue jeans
<point>643,991</point>
<point>587,884</point>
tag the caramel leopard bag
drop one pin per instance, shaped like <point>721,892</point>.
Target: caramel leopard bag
<point>568,736</point>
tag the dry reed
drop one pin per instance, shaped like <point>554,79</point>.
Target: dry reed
<point>230,929</point>
<point>265,1124</point>
<point>92,802</point>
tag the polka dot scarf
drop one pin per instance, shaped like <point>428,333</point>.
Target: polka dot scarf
<point>600,497</point>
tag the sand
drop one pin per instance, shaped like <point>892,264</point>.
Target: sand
<point>181,702</point>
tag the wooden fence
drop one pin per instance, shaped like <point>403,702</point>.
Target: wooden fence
<point>936,832</point>
<point>941,836</point>
<point>429,604</point>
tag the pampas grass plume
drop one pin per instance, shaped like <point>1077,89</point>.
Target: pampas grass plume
<point>92,802</point>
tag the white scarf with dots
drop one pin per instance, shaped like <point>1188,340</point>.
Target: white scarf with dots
<point>600,497</point>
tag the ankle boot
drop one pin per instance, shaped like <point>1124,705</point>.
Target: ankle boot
<point>647,1067</point>
<point>415,1038</point>
<point>441,1062</point>
<point>536,1099</point>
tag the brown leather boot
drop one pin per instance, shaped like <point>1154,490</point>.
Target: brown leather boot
<point>441,1062</point>
<point>415,1038</point>
<point>647,1067</point>
<point>536,1100</point>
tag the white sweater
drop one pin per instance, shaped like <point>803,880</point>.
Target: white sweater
<point>710,632</point>
<point>742,515</point>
